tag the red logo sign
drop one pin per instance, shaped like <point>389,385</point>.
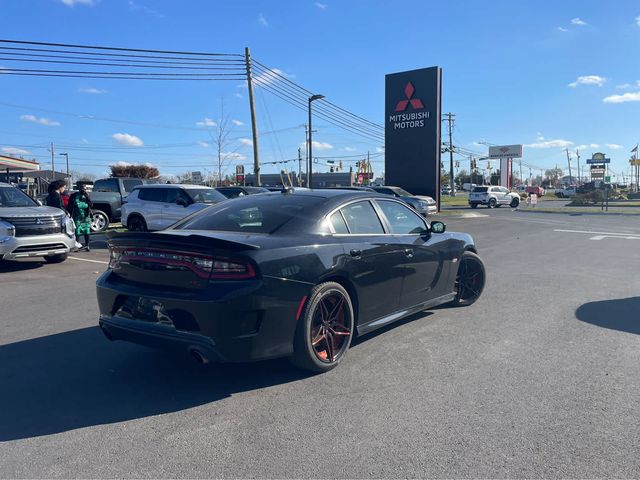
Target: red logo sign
<point>416,103</point>
<point>504,149</point>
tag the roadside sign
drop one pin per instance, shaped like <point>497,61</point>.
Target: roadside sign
<point>505,151</point>
<point>240,174</point>
<point>607,179</point>
<point>591,161</point>
<point>196,177</point>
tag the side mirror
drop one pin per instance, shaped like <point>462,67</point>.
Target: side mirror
<point>181,201</point>
<point>39,202</point>
<point>438,227</point>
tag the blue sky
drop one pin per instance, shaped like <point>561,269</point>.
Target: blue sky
<point>550,75</point>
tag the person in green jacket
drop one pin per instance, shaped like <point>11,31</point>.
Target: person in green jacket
<point>79,208</point>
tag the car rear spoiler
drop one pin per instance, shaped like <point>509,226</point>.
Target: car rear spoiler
<point>199,242</point>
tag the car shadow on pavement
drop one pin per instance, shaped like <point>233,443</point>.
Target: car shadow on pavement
<point>619,314</point>
<point>77,379</point>
<point>19,266</point>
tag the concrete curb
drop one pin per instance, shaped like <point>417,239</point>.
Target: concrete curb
<point>602,214</point>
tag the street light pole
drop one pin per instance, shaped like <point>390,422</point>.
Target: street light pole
<point>66,156</point>
<point>310,170</point>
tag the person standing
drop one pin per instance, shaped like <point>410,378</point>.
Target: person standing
<point>54,199</point>
<point>79,207</point>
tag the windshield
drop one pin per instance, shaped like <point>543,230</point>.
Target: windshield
<point>253,213</point>
<point>205,195</point>
<point>14,197</point>
<point>480,190</point>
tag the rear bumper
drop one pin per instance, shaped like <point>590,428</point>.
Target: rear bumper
<point>229,322</point>
<point>13,248</point>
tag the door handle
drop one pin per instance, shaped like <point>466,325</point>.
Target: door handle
<point>408,252</point>
<point>355,253</point>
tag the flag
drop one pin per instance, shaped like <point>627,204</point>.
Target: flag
<point>635,149</point>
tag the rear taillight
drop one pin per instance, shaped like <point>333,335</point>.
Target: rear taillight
<point>204,266</point>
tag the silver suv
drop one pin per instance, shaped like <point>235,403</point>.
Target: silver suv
<point>493,197</point>
<point>27,229</point>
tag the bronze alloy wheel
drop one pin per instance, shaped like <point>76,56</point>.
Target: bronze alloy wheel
<point>325,328</point>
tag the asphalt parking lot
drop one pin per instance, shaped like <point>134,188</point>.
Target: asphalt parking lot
<point>539,378</point>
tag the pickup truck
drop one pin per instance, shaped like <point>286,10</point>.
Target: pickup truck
<point>566,192</point>
<point>107,196</point>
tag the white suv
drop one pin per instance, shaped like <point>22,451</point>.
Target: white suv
<point>155,207</point>
<point>493,197</point>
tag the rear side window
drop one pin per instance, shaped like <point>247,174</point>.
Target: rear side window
<point>362,218</point>
<point>131,184</point>
<point>151,194</point>
<point>338,223</point>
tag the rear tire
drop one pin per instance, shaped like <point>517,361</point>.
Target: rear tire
<point>136,223</point>
<point>56,258</point>
<point>99,221</point>
<point>470,280</point>
<point>492,203</point>
<point>474,205</point>
<point>325,329</point>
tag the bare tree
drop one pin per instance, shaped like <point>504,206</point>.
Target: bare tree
<point>220,139</point>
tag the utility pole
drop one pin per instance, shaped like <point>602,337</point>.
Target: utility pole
<point>578,155</point>
<point>299,167</point>
<point>53,161</point>
<point>450,122</point>
<point>521,179</point>
<point>66,156</point>
<point>254,125</point>
<point>569,163</point>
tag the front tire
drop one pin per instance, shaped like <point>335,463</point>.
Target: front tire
<point>55,258</point>
<point>470,280</point>
<point>99,221</point>
<point>325,329</point>
<point>514,203</point>
<point>136,223</point>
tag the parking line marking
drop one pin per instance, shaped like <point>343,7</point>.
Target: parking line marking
<point>89,260</point>
<point>610,234</point>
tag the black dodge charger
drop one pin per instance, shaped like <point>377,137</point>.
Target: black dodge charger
<point>296,274</point>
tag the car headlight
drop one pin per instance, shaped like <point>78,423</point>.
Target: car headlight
<point>7,231</point>
<point>69,226</point>
<point>423,204</point>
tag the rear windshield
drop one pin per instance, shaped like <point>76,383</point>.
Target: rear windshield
<point>480,189</point>
<point>252,213</point>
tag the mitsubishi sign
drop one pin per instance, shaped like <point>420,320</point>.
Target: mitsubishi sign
<point>505,151</point>
<point>412,130</point>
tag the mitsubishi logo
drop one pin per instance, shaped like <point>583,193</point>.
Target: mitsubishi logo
<point>39,221</point>
<point>504,149</point>
<point>416,103</point>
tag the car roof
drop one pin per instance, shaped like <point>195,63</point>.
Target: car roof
<point>2,184</point>
<point>173,185</point>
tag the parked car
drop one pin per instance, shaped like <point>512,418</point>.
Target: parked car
<point>445,190</point>
<point>234,192</point>
<point>566,192</point>
<point>107,196</point>
<point>521,188</point>
<point>294,274</point>
<point>422,203</point>
<point>493,197</point>
<point>28,229</point>
<point>539,191</point>
<point>154,207</point>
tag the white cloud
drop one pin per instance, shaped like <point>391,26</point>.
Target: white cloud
<point>586,146</point>
<point>379,149</point>
<point>84,141</point>
<point>246,141</point>
<point>626,97</point>
<point>588,80</point>
<point>562,29</point>
<point>321,6</point>
<point>127,139</point>
<point>206,122</point>
<point>578,21</point>
<point>40,120</point>
<point>319,145</point>
<point>14,151</point>
<point>238,95</point>
<point>638,20</point>
<point>623,86</point>
<point>233,156</point>
<point>539,137</point>
<point>558,143</point>
<point>133,6</point>
<point>123,164</point>
<point>613,146</point>
<point>73,3</point>
<point>237,123</point>
<point>92,90</point>
<point>349,149</point>
<point>203,144</point>
<point>263,20</point>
